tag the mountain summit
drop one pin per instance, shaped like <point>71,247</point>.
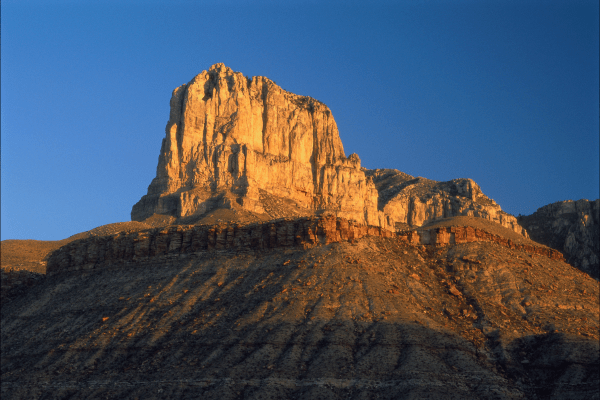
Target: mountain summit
<point>245,144</point>
<point>229,138</point>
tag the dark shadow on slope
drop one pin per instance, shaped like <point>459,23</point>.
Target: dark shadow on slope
<point>237,326</point>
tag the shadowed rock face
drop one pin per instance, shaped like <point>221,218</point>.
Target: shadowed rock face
<point>379,317</point>
<point>572,227</point>
<point>229,136</point>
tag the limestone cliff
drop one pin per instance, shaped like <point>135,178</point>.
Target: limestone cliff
<point>229,137</point>
<point>571,227</point>
<point>409,201</point>
<point>240,143</point>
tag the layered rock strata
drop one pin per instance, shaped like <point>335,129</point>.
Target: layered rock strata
<point>409,201</point>
<point>109,251</point>
<point>229,136</point>
<point>571,227</point>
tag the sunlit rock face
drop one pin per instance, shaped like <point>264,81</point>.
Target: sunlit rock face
<point>229,137</point>
<point>408,201</point>
<point>232,141</point>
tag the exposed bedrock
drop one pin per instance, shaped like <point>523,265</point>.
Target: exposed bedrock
<point>230,138</point>
<point>572,227</point>
<point>130,248</point>
<point>412,201</point>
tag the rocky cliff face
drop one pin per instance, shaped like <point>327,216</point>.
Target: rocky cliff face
<point>572,227</point>
<point>238,143</point>
<point>229,137</point>
<point>409,201</point>
<point>130,248</point>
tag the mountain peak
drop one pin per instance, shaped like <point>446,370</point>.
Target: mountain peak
<point>245,144</point>
<point>229,138</point>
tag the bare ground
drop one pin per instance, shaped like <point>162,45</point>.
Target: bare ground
<point>378,319</point>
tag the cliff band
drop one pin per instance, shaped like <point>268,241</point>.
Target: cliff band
<point>130,248</point>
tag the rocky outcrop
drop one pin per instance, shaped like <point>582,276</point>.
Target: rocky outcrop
<point>16,282</point>
<point>137,247</point>
<point>571,227</point>
<point>229,136</point>
<point>409,201</point>
<point>231,142</point>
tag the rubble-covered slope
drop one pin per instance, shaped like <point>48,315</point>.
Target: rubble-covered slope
<point>377,317</point>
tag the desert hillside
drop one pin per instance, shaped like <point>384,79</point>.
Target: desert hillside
<point>264,263</point>
<point>354,318</point>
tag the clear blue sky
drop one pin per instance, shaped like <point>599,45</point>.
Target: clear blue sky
<point>503,92</point>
